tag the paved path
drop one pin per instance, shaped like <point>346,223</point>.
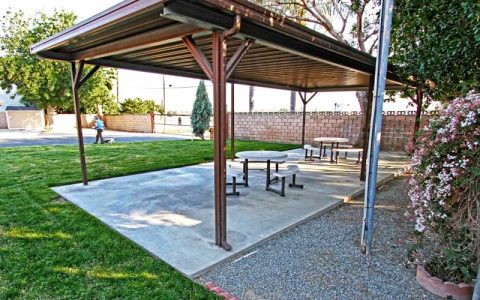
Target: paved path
<point>14,138</point>
<point>320,259</point>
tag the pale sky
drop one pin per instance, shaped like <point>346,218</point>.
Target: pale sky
<point>180,92</point>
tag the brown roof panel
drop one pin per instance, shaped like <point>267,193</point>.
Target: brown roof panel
<point>146,35</point>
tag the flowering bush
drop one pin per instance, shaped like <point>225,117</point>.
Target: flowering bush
<point>445,188</point>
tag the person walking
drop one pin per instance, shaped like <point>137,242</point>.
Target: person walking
<point>99,127</point>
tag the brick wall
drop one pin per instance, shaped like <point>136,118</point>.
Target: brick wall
<point>3,120</point>
<point>287,127</point>
<point>128,122</point>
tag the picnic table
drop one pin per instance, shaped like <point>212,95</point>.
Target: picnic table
<point>261,156</point>
<point>333,140</point>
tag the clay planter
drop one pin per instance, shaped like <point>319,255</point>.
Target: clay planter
<point>443,289</point>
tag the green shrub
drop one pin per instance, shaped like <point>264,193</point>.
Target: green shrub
<point>140,106</point>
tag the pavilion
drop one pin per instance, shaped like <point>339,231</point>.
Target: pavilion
<point>220,40</point>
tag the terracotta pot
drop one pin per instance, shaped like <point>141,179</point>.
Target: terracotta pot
<point>443,289</point>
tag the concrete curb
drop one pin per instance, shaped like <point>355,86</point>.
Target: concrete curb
<point>219,291</point>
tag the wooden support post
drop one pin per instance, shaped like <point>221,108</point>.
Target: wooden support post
<point>232,121</point>
<point>366,128</point>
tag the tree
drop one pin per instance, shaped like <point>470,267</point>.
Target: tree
<point>201,112</point>
<point>45,83</point>
<point>436,46</point>
<point>293,100</point>
<point>354,23</point>
<point>251,102</point>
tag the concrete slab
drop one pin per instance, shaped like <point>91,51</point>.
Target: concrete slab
<point>170,212</point>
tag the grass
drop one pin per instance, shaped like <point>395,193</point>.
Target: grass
<point>50,249</point>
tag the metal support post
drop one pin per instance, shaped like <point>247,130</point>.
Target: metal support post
<point>376,125</point>
<point>218,72</point>
<point>232,122</point>
<point>219,108</point>
<point>75,77</point>
<point>305,101</point>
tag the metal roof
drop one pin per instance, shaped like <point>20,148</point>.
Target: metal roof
<point>146,35</point>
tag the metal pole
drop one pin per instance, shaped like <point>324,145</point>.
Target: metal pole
<point>220,140</point>
<point>75,77</point>
<point>476,291</point>
<point>376,123</point>
<point>366,128</point>
<point>232,121</point>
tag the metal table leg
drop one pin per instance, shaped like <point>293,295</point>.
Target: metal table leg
<point>268,175</point>
<point>245,172</point>
<point>331,154</point>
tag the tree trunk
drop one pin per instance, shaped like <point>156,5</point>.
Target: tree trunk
<point>100,110</point>
<point>418,115</point>
<point>49,117</point>
<point>363,102</point>
<point>293,100</point>
<point>250,98</point>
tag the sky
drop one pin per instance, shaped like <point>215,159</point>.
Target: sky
<point>180,92</point>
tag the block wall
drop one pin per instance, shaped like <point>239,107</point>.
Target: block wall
<point>287,127</point>
<point>3,120</point>
<point>129,122</point>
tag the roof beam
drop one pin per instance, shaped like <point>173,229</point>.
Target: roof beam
<point>351,88</point>
<point>238,55</point>
<point>199,56</point>
<point>147,39</point>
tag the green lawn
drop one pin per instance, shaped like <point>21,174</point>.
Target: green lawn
<point>50,249</point>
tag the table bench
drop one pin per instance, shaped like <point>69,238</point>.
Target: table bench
<point>292,170</point>
<point>310,148</point>
<point>348,150</point>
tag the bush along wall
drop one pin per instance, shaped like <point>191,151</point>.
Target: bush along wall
<point>139,106</point>
<point>445,190</point>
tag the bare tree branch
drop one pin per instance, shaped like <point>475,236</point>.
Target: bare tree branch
<point>374,44</point>
<point>360,40</point>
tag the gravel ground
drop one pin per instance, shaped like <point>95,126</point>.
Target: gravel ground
<point>320,259</point>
